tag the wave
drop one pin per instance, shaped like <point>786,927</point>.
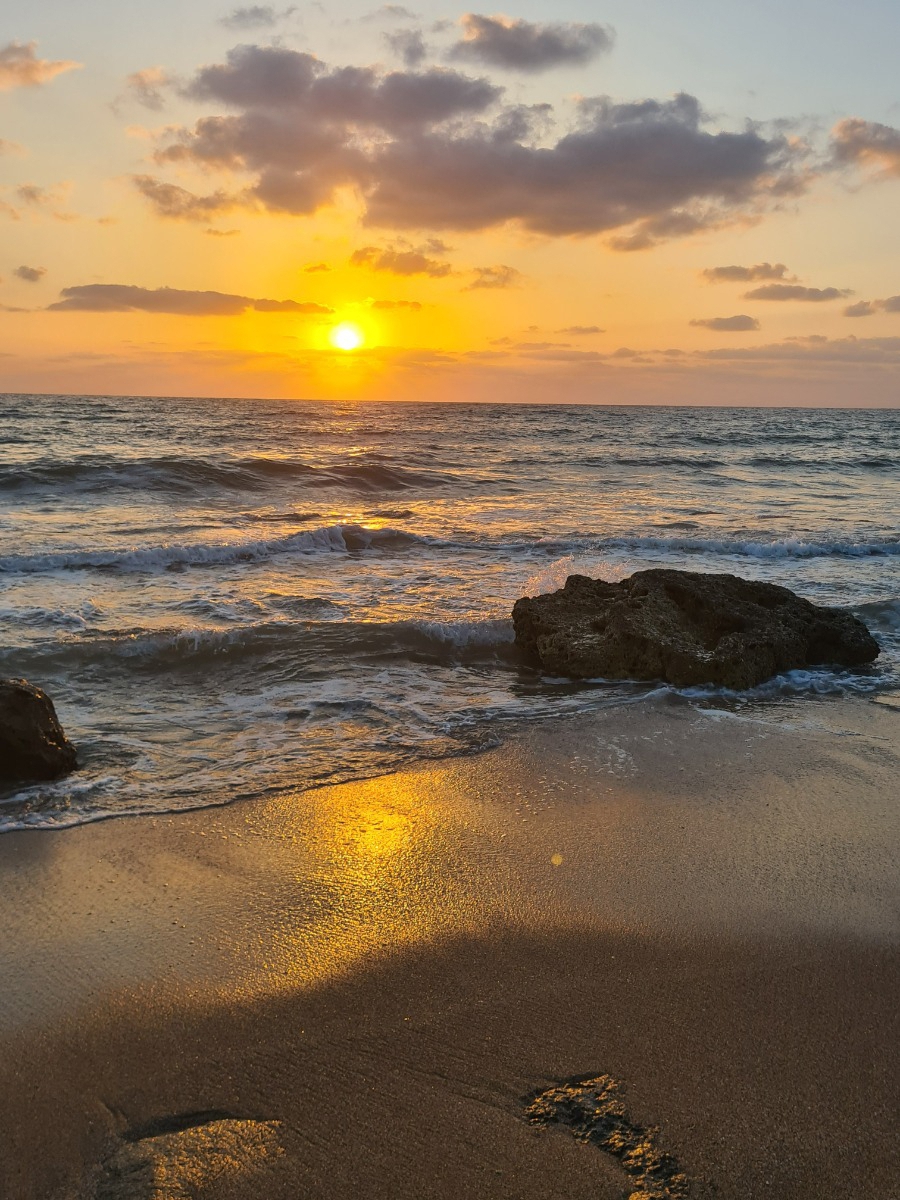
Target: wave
<point>865,462</point>
<point>185,475</point>
<point>781,548</point>
<point>330,538</point>
<point>285,641</point>
<point>346,538</point>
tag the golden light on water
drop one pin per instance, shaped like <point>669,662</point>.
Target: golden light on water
<point>346,336</point>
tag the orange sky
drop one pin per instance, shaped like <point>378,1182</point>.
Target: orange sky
<point>555,205</point>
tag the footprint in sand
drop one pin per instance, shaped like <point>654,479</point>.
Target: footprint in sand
<point>593,1111</point>
<point>174,1157</point>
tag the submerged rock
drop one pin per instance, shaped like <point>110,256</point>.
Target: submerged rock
<point>33,746</point>
<point>685,628</point>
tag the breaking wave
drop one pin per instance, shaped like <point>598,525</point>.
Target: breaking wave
<point>185,475</point>
<point>439,642</point>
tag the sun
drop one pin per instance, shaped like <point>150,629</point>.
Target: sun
<point>346,336</point>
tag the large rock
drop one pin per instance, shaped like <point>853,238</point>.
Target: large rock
<point>685,628</point>
<point>33,746</point>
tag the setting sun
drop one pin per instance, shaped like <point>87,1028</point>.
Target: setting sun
<point>346,336</point>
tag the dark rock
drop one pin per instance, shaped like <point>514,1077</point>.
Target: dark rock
<point>33,746</point>
<point>685,628</point>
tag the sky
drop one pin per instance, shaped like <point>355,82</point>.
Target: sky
<point>629,202</point>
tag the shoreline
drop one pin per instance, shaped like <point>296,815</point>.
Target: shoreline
<point>701,904</point>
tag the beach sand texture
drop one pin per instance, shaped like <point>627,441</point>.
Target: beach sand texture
<point>360,990</point>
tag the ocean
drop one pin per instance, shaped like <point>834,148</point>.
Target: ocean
<point>230,597</point>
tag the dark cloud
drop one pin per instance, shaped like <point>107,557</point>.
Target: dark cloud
<point>737,324</point>
<point>499,276</point>
<point>314,267</point>
<point>651,163</point>
<point>220,233</point>
<point>401,260</point>
<point>21,67</point>
<point>795,291</point>
<point>856,142</point>
<point>120,297</point>
<point>30,274</point>
<point>423,150</point>
<point>764,270</point>
<point>414,305</point>
<point>146,87</point>
<point>409,46</point>
<point>169,200</point>
<point>867,308</point>
<point>523,46</point>
<point>256,16</point>
<point>277,80</point>
<point>579,330</point>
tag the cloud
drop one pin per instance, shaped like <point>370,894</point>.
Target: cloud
<point>580,330</point>
<point>20,66</point>
<point>220,233</point>
<point>495,277</point>
<point>414,305</point>
<point>401,260</point>
<point>435,150</point>
<point>522,46</point>
<point>867,308</point>
<point>30,274</point>
<point>8,147</point>
<point>817,349</point>
<point>795,291</point>
<point>35,201</point>
<point>256,16</point>
<point>169,200</point>
<point>408,45</point>
<point>396,12</point>
<point>764,270</point>
<point>737,324</point>
<point>146,87</point>
<point>855,142</point>
<point>314,267</point>
<point>120,297</point>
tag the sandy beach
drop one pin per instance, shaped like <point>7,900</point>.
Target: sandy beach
<point>357,990</point>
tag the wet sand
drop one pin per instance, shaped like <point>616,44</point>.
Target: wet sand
<point>359,990</point>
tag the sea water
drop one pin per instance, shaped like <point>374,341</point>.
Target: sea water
<point>226,597</point>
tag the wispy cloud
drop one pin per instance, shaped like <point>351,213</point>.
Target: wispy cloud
<point>867,144</point>
<point>256,16</point>
<point>408,45</point>
<point>500,276</point>
<point>120,297</point>
<point>403,260</point>
<point>21,67</point>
